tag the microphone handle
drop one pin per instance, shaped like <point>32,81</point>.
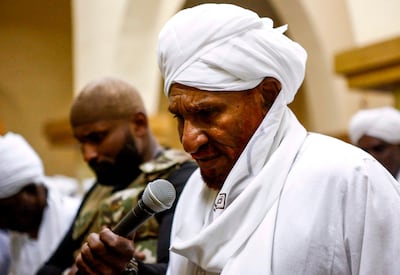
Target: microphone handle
<point>131,221</point>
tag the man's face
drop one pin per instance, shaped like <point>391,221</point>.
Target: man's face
<point>214,127</point>
<point>109,149</point>
<point>387,154</point>
<point>23,211</point>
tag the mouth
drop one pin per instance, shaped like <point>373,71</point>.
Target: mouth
<point>205,161</point>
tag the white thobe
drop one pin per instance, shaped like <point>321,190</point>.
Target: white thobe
<point>337,213</point>
<point>28,254</point>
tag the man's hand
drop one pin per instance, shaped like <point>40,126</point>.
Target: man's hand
<point>104,253</point>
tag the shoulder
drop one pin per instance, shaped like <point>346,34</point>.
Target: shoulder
<point>166,160</point>
<point>173,165</point>
<point>324,149</point>
<point>327,160</point>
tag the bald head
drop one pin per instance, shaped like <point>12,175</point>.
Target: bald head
<point>104,99</point>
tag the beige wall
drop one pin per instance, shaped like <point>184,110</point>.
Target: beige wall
<point>373,20</point>
<point>36,73</point>
<point>119,38</point>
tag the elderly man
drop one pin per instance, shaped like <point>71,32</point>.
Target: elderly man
<point>377,131</point>
<point>35,213</point>
<point>269,197</point>
<point>109,120</point>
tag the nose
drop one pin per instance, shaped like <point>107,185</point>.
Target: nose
<point>192,137</point>
<point>89,151</point>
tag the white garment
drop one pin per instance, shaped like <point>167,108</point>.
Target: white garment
<point>307,205</point>
<point>337,214</point>
<point>27,254</point>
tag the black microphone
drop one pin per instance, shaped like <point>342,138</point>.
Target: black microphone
<point>159,195</point>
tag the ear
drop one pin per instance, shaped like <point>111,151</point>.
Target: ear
<point>139,124</point>
<point>270,88</point>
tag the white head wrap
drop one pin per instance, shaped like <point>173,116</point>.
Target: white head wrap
<point>19,165</point>
<point>233,50</point>
<point>382,123</point>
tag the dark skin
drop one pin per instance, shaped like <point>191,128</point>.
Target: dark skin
<point>23,212</point>
<point>386,153</point>
<point>215,127</point>
<point>113,148</point>
<point>95,256</point>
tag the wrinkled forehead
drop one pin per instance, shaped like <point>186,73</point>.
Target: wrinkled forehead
<point>185,99</point>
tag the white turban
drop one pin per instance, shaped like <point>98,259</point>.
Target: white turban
<point>223,47</point>
<point>19,165</point>
<point>382,123</point>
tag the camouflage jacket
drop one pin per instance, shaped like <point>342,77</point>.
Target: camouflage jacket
<point>103,207</point>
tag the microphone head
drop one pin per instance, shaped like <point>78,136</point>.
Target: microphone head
<point>159,195</point>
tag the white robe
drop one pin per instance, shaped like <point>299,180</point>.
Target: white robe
<point>337,213</point>
<point>28,255</point>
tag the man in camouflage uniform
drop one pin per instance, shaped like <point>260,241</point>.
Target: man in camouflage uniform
<point>109,121</point>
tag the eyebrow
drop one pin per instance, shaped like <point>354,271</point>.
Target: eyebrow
<point>202,105</point>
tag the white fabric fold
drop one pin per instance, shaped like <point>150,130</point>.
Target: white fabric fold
<point>19,165</point>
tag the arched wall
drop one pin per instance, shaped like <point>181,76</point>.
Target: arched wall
<point>325,28</point>
<point>119,38</point>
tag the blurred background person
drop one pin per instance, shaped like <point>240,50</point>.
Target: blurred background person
<point>35,214</point>
<point>377,131</point>
<point>109,120</point>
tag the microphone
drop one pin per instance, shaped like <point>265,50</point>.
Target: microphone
<point>159,195</point>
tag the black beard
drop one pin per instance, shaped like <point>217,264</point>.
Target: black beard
<point>125,168</point>
<point>215,182</point>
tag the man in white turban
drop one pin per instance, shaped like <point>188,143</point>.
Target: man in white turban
<point>36,215</point>
<point>377,131</point>
<point>268,197</point>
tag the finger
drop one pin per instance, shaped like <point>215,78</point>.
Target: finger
<point>81,265</point>
<point>100,258</point>
<point>73,270</point>
<point>139,255</point>
<point>120,245</point>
